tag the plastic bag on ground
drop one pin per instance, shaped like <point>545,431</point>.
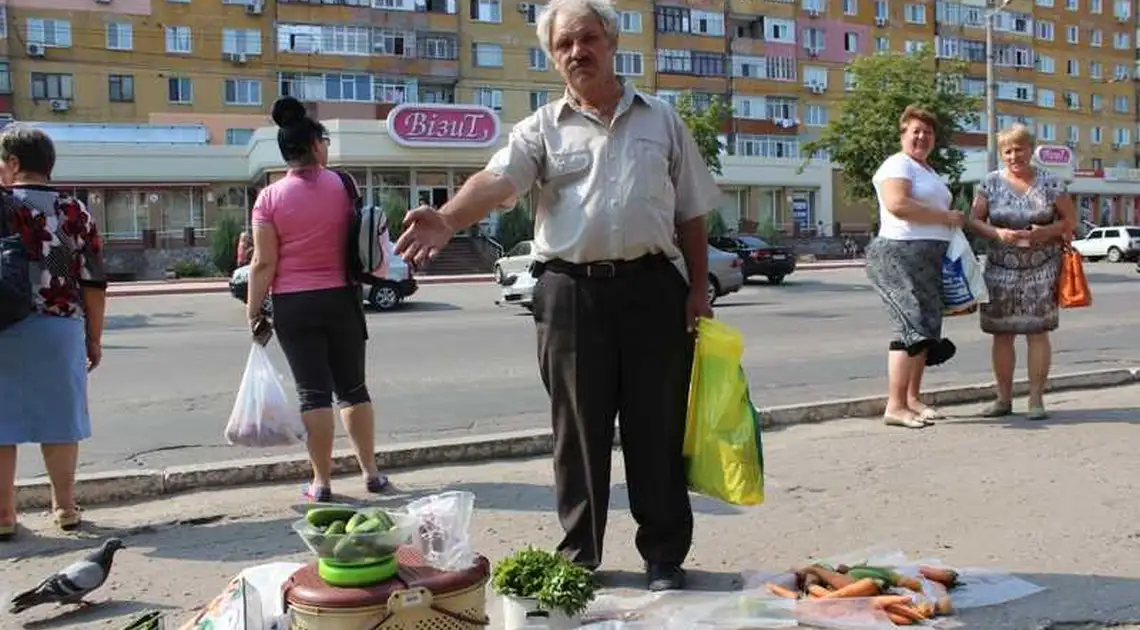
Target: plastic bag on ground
<point>723,448</point>
<point>733,611</point>
<point>262,415</point>
<point>963,284</point>
<point>443,530</point>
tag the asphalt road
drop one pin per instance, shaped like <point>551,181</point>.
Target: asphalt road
<point>452,363</point>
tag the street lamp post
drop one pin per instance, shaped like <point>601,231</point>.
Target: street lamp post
<point>992,11</point>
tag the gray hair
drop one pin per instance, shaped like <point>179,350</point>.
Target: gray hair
<point>31,146</point>
<point>604,10</point>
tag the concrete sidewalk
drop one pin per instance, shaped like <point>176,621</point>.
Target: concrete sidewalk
<point>1051,500</point>
<point>190,286</point>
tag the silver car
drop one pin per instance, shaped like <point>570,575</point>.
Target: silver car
<point>726,275</point>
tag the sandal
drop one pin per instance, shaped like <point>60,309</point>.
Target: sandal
<point>377,484</point>
<point>1037,412</point>
<point>912,422</point>
<point>317,494</point>
<point>997,409</point>
<point>68,519</point>
<point>931,413</point>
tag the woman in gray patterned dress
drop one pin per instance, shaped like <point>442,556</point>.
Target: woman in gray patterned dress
<point>1025,212</point>
<point>904,265</point>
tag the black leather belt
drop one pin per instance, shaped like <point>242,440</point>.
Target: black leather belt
<point>603,269</point>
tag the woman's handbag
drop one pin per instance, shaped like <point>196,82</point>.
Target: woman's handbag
<point>16,300</point>
<point>1072,286</point>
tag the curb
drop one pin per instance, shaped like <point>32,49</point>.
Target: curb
<point>133,485</point>
<point>187,287</point>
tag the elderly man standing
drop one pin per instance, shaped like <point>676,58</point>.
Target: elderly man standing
<point>622,269</point>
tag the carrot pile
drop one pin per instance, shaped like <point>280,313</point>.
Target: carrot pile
<point>900,597</point>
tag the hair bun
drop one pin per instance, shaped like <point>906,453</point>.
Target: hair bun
<point>287,110</point>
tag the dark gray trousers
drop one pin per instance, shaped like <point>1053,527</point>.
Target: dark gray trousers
<point>618,347</point>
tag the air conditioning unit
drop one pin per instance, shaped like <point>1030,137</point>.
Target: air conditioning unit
<point>817,88</point>
<point>1116,147</point>
<point>60,105</point>
<point>36,50</point>
<point>255,7</point>
<point>813,13</point>
<point>238,58</point>
<point>524,7</point>
<point>880,21</point>
<point>1072,144</point>
<point>813,52</point>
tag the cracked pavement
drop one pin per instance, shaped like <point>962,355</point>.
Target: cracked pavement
<point>451,364</point>
<point>1053,502</point>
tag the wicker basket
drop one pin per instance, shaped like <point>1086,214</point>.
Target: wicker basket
<point>418,598</point>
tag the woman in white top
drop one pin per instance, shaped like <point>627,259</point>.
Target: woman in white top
<point>904,264</point>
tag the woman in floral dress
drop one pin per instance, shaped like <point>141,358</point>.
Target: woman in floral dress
<point>45,358</point>
<point>1025,212</point>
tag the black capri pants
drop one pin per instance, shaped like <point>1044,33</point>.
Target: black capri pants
<point>323,335</point>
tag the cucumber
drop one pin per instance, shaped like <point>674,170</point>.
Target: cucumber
<point>386,522</point>
<point>323,517</point>
<point>336,529</point>
<point>355,521</point>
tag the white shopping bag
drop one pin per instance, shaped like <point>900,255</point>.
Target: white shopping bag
<point>262,415</point>
<point>963,285</point>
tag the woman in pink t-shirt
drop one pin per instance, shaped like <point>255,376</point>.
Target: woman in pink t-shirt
<point>300,241</point>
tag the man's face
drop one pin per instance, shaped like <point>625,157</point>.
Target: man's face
<point>582,51</point>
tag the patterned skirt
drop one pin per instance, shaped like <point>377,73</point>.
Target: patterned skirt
<point>908,276</point>
<point>43,382</point>
<point>1022,282</point>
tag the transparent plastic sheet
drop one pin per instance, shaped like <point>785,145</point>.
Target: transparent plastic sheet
<point>752,609</point>
<point>443,530</point>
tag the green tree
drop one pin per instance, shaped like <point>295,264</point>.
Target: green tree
<point>223,245</point>
<point>515,225</point>
<point>865,130</point>
<point>706,124</point>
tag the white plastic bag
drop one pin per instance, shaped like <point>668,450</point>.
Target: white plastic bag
<point>262,415</point>
<point>443,530</point>
<point>963,285</point>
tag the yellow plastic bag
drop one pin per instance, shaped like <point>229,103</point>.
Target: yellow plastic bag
<point>723,451</point>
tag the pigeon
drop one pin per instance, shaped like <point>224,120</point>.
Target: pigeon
<point>72,584</point>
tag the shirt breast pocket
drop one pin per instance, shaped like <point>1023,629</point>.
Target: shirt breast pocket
<point>567,166</point>
<point>650,162</point>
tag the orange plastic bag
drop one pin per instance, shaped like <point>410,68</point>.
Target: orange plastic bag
<point>1072,286</point>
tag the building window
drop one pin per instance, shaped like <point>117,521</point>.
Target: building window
<point>354,88</point>
<point>815,75</point>
<point>1096,38</point>
<point>486,11</point>
<point>49,33</point>
<point>489,97</point>
<point>628,63</point>
<point>538,60</point>
<point>851,42</point>
<point>780,31</point>
<point>1073,134</point>
<point>239,137</point>
<point>1096,71</point>
<point>179,40</point>
<point>1072,5</point>
<point>120,36</point>
<point>533,12</point>
<point>1046,64</point>
<point>1044,30</point>
<point>815,115</point>
<point>672,20</point>
<point>915,13</point>
<point>1046,98</point>
<point>1072,34</point>
<point>390,92</point>
<point>1122,72</point>
<point>674,61</point>
<point>47,86</point>
<point>437,94</point>
<point>1096,7</point>
<point>121,88</point>
<point>239,41</point>
<point>767,146</point>
<point>346,40</point>
<point>813,39</point>
<point>882,44</point>
<point>1096,102</point>
<point>438,47</point>
<point>707,23</point>
<point>850,7</point>
<point>1121,41</point>
<point>1047,132</point>
<point>630,22</point>
<point>1122,9</point>
<point>392,43</point>
<point>1072,100</point>
<point>882,11</point>
<point>3,21</point>
<point>243,92</point>
<point>1122,136</point>
<point>776,108</point>
<point>180,90</point>
<point>5,77</point>
<point>1096,135</point>
<point>1073,68</point>
<point>1120,104</point>
<point>537,99</point>
<point>488,55</point>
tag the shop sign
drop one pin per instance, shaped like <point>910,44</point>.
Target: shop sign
<point>1054,155</point>
<point>426,125</point>
<point>1122,174</point>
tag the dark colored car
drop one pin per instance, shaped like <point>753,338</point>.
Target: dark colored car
<point>760,258</point>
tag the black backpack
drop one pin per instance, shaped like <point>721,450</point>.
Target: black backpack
<point>369,244</point>
<point>16,298</point>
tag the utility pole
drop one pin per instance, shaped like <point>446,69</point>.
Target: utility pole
<point>991,90</point>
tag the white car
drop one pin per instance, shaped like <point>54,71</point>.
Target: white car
<point>725,276</point>
<point>383,296</point>
<point>515,261</point>
<point>1112,243</point>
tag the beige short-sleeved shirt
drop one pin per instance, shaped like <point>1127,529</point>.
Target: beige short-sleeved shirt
<point>608,193</point>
